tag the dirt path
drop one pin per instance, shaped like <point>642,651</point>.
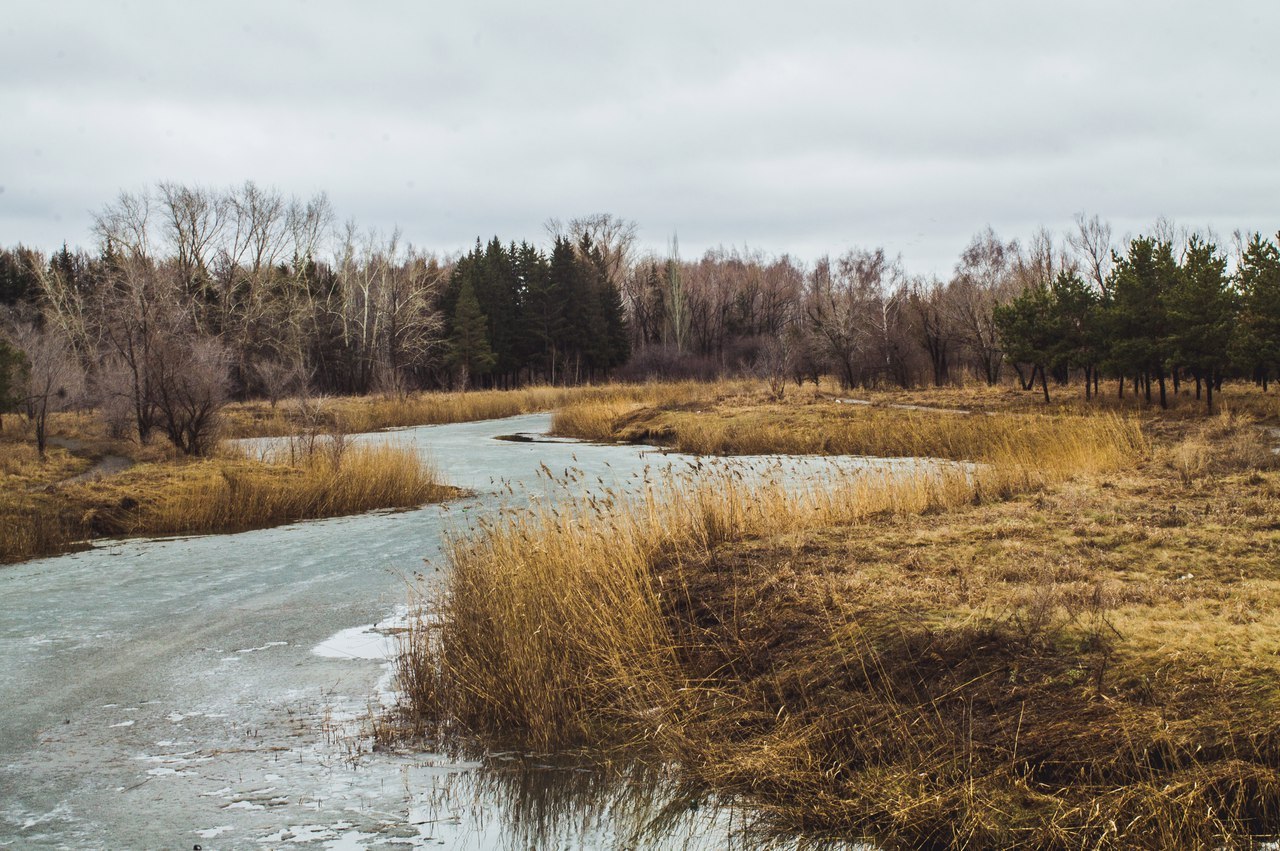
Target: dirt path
<point>902,406</point>
<point>106,465</point>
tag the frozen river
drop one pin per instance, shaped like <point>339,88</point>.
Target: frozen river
<point>209,691</point>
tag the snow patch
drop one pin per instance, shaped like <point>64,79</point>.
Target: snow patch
<point>376,642</point>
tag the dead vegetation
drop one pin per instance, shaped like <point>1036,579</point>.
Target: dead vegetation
<point>1072,646</point>
<point>45,510</point>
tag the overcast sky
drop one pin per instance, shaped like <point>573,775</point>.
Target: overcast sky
<point>796,127</point>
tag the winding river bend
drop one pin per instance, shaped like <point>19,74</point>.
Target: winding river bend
<point>210,691</point>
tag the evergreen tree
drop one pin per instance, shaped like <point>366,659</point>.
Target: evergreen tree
<point>499,297</point>
<point>582,319</point>
<point>1137,314</point>
<point>544,308</point>
<point>1077,309</point>
<point>617,331</point>
<point>1258,338</point>
<point>469,349</point>
<point>1202,315</point>
<point>18,280</point>
<point>1027,331</point>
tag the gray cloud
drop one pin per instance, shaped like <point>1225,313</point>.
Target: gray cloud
<point>803,128</point>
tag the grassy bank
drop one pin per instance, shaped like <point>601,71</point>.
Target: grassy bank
<point>354,414</point>
<point>973,424</point>
<point>42,513</point>
<point>1070,648</point>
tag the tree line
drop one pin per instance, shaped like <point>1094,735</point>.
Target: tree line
<point>195,295</point>
<point>1165,312</point>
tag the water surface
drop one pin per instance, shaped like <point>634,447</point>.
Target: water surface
<point>210,691</point>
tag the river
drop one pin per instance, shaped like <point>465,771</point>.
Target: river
<point>214,691</point>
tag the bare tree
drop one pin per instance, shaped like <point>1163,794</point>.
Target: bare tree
<point>132,310</point>
<point>194,219</point>
<point>613,236</point>
<point>676,306</point>
<point>1092,243</point>
<point>125,225</point>
<point>278,378</point>
<point>53,376</point>
<point>388,308</point>
<point>191,388</point>
<point>929,317</point>
<point>984,278</point>
<point>832,313</point>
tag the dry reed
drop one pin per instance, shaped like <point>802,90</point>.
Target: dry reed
<point>218,496</point>
<point>556,626</point>
<point>221,494</point>
<point>372,413</point>
<point>629,623</point>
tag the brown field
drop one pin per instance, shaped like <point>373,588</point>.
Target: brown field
<point>1075,646</point>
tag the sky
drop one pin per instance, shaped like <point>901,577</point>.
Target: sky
<point>798,127</point>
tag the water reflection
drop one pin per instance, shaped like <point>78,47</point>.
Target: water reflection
<point>513,801</point>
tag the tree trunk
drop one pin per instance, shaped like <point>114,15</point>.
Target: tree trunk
<point>1164,402</point>
<point>1208,396</point>
<point>1044,383</point>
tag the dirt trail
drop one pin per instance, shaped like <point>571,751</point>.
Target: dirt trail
<point>106,465</point>
<point>903,406</point>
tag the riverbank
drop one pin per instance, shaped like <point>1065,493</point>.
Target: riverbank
<point>92,486</point>
<point>1071,647</point>
<point>61,504</point>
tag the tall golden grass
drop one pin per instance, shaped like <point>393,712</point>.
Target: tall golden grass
<point>829,429</point>
<point>372,413</point>
<point>553,632</point>
<point>606,624</point>
<point>221,494</point>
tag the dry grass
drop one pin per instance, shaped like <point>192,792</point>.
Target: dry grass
<point>1073,647</point>
<point>355,414</point>
<point>825,427</point>
<point>228,493</point>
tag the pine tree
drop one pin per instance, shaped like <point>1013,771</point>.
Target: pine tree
<point>1201,315</point>
<point>543,303</point>
<point>1028,331</point>
<point>1137,314</point>
<point>469,349</point>
<point>1258,337</point>
<point>1077,309</point>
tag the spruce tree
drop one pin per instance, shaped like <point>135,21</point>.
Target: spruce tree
<point>1137,313</point>
<point>1201,315</point>
<point>1028,331</point>
<point>1258,336</point>
<point>469,349</point>
<point>543,303</point>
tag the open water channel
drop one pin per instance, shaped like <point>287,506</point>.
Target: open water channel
<point>211,692</point>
